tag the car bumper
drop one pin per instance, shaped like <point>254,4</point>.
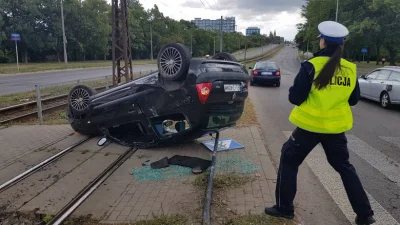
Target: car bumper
<point>266,79</point>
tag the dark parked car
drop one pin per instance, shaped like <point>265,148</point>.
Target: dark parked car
<point>186,99</point>
<point>265,72</point>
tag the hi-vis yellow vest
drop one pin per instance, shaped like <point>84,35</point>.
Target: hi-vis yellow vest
<point>327,111</point>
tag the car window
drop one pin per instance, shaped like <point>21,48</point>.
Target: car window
<point>384,75</point>
<point>395,76</point>
<point>265,65</point>
<point>373,75</point>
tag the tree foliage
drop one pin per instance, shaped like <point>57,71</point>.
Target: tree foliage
<point>373,24</point>
<point>88,31</point>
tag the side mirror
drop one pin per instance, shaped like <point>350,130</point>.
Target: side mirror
<point>363,77</point>
<point>250,68</point>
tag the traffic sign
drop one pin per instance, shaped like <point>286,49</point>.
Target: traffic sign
<point>364,50</point>
<point>15,37</point>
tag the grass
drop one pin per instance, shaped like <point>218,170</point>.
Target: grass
<point>258,220</point>
<point>222,181</point>
<point>11,68</point>
<point>301,56</point>
<point>249,116</point>
<point>160,220</point>
<point>242,51</point>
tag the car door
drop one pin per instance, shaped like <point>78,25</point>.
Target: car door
<point>365,84</point>
<point>379,84</point>
<point>394,80</point>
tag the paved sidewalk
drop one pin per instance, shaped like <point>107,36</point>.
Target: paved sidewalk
<point>18,141</point>
<point>170,191</point>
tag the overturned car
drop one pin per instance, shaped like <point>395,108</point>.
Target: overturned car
<point>184,100</point>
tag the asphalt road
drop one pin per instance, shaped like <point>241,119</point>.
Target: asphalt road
<point>255,52</point>
<point>26,82</point>
<point>374,145</point>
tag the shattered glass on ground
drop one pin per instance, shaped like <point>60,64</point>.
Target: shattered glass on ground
<point>172,172</point>
<point>227,162</point>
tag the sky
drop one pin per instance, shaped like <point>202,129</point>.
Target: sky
<point>268,15</point>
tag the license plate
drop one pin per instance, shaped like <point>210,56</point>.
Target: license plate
<point>231,87</point>
<point>266,73</point>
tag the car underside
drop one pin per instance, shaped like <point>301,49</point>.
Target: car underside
<point>186,99</point>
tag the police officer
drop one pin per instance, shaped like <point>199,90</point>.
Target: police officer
<point>323,91</point>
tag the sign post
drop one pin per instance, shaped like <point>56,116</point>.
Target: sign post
<point>364,51</point>
<point>16,38</point>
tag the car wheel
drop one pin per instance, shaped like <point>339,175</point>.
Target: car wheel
<point>80,126</point>
<point>385,100</point>
<point>251,83</point>
<point>278,84</point>
<point>225,56</point>
<point>173,61</point>
<point>78,99</point>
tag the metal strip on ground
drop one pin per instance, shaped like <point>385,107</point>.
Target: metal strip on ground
<point>331,181</point>
<point>28,172</point>
<point>90,188</point>
<point>207,202</point>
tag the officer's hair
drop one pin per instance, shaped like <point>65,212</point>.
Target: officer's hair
<point>332,66</point>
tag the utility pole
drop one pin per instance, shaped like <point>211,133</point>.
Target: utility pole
<point>151,37</point>
<point>308,39</point>
<point>191,43</point>
<point>214,45</point>
<point>220,39</point>
<point>64,38</point>
<point>337,8</point>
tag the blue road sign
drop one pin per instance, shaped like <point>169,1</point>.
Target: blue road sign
<point>364,50</point>
<point>15,37</point>
<point>223,144</point>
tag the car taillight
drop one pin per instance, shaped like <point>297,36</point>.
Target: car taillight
<point>203,91</point>
<point>255,72</point>
<point>278,73</point>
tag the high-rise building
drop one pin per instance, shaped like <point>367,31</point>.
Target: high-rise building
<point>228,24</point>
<point>251,30</point>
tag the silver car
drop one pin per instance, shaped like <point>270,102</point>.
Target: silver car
<point>382,85</point>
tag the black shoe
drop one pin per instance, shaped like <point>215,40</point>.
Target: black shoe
<point>365,220</point>
<point>273,211</point>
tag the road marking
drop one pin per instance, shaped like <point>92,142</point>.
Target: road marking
<point>332,182</point>
<point>378,160</point>
<point>392,140</point>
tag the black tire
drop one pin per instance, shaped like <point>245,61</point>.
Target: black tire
<point>78,99</point>
<point>278,84</point>
<point>385,100</point>
<point>251,83</point>
<point>173,61</point>
<point>80,126</point>
<point>225,56</point>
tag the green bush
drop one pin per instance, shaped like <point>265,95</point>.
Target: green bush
<point>5,56</point>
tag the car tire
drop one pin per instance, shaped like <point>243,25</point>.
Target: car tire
<point>225,56</point>
<point>278,84</point>
<point>78,99</point>
<point>173,61</point>
<point>251,83</point>
<point>80,126</point>
<point>385,100</point>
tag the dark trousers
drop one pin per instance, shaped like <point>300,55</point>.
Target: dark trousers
<point>295,150</point>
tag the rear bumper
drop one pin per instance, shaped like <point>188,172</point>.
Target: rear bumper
<point>266,79</point>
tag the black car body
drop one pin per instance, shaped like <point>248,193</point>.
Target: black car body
<point>265,72</point>
<point>151,110</point>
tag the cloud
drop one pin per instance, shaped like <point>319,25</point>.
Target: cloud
<point>261,6</point>
<point>192,4</point>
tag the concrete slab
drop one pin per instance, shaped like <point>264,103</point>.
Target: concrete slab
<point>18,141</point>
<point>52,199</point>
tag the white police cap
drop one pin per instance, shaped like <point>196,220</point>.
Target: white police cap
<point>332,31</point>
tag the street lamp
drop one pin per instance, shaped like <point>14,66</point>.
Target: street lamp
<point>151,37</point>
<point>64,38</point>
